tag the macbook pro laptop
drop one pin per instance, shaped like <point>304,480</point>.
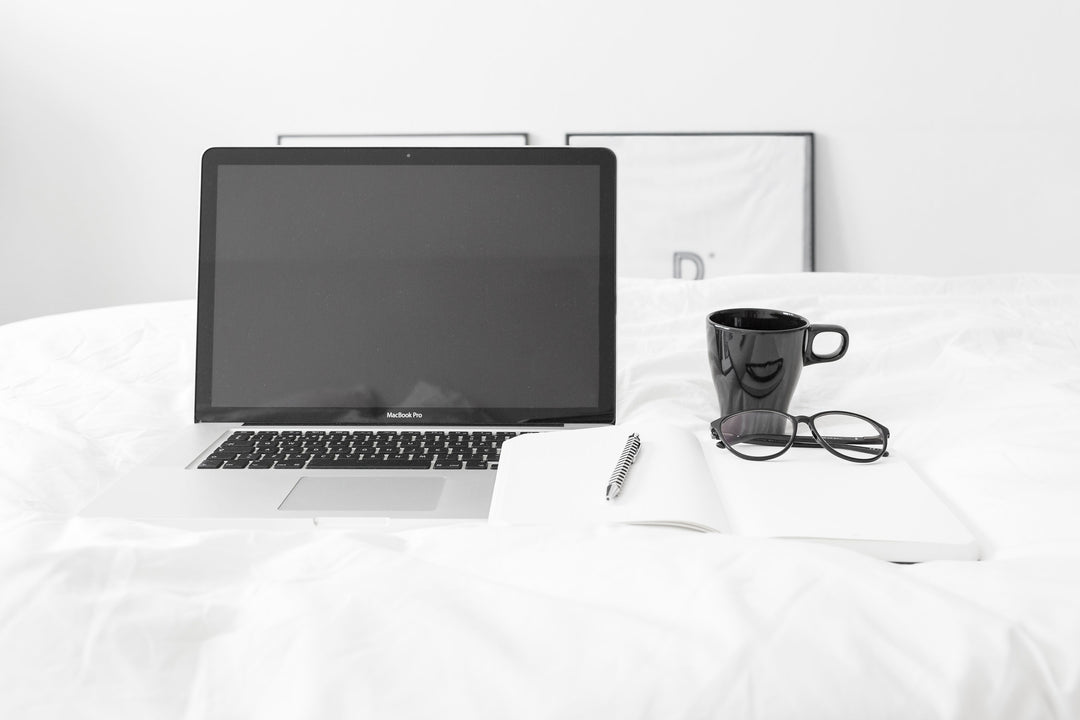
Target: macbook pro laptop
<point>374,322</point>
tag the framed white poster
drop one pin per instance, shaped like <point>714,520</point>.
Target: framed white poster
<point>696,205</point>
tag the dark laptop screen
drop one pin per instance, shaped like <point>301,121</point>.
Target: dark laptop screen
<point>407,285</point>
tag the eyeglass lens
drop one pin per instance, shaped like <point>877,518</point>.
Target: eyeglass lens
<point>757,433</point>
<point>850,436</point>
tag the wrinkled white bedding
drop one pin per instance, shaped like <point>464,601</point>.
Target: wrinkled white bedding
<point>978,379</point>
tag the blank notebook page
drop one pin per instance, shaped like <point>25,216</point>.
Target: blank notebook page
<point>561,477</point>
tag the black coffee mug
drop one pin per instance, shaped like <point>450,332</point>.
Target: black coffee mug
<point>757,356</point>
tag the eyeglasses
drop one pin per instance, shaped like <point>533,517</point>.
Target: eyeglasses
<point>766,434</point>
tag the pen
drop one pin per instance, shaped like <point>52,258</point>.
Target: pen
<point>622,467</point>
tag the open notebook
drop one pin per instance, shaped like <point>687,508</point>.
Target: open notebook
<point>883,509</point>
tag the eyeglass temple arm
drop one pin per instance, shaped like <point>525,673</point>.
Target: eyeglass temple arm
<point>803,441</point>
<point>855,444</point>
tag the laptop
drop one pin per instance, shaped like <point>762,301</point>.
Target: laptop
<point>374,322</point>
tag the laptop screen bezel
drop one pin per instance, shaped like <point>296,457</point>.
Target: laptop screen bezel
<point>603,412</point>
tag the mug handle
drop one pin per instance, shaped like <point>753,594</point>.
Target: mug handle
<point>810,357</point>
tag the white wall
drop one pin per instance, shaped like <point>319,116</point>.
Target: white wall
<point>948,132</point>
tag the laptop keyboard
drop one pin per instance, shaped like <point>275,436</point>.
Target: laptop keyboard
<point>357,450</point>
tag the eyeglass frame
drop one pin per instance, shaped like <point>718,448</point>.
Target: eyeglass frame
<point>805,442</point>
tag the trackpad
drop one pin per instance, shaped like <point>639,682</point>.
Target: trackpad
<point>365,493</point>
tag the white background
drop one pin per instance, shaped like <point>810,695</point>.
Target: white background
<point>946,131</point>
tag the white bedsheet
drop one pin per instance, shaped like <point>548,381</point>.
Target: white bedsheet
<point>978,378</point>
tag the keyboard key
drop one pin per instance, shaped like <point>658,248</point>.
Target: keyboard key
<point>377,463</point>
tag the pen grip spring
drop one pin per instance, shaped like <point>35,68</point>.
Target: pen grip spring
<point>622,467</point>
